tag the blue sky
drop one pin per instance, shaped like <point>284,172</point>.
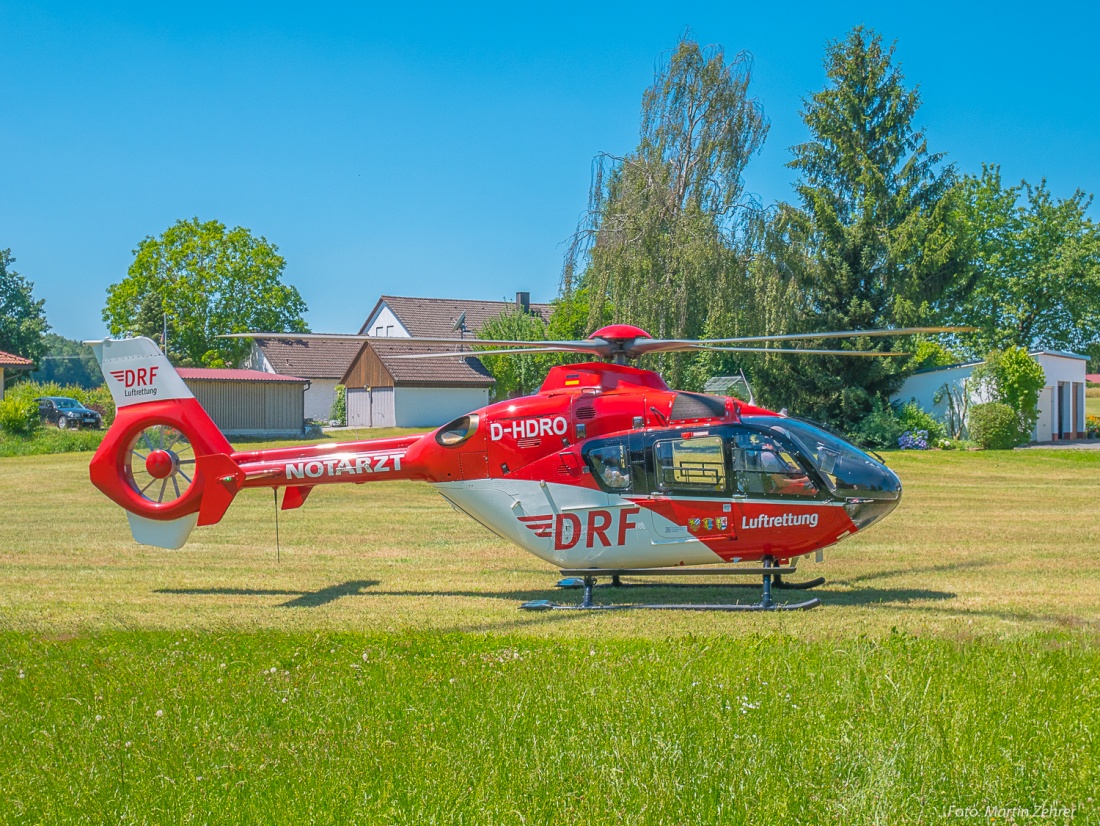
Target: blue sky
<point>446,149</point>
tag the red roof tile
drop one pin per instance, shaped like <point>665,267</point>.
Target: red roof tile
<point>468,371</point>
<point>312,359</point>
<point>436,317</point>
<point>213,374</point>
<point>12,360</point>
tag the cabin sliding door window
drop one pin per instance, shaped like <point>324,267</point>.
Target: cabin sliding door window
<point>695,466</point>
<point>611,466</point>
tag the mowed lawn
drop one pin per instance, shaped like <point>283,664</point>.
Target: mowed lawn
<point>379,671</point>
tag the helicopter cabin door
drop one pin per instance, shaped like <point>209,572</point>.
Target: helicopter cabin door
<point>688,480</point>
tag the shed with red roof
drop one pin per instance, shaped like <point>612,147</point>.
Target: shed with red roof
<point>10,361</point>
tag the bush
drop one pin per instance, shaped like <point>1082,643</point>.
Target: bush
<point>339,412</point>
<point>1092,426</point>
<point>1013,377</point>
<point>879,428</point>
<point>995,426</point>
<point>98,399</point>
<point>18,414</point>
<point>912,417</point>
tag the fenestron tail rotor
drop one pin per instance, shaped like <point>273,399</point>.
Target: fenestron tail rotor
<point>161,464</point>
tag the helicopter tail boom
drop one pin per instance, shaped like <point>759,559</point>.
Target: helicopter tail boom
<point>166,463</point>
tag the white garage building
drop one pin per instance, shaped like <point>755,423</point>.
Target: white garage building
<point>384,391</point>
<point>1061,401</point>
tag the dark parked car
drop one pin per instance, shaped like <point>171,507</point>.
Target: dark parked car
<point>65,412</point>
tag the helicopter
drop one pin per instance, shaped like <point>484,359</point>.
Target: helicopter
<point>605,472</point>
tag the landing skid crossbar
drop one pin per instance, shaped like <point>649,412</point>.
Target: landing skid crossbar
<point>771,574</point>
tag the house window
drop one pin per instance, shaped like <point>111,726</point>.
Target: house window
<point>389,331</point>
<point>378,331</point>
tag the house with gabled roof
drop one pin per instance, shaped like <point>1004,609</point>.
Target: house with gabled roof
<point>384,389</point>
<point>396,316</point>
<point>322,362</point>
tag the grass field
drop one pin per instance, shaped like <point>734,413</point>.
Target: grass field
<point>953,663</point>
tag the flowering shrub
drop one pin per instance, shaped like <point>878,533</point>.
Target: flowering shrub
<point>914,440</point>
<point>1092,426</point>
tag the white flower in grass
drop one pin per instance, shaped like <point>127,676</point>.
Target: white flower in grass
<point>160,712</point>
<point>273,669</point>
<point>98,717</point>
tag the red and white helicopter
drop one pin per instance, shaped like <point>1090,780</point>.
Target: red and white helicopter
<point>604,472</point>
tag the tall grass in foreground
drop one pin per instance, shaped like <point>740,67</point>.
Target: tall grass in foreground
<point>339,728</point>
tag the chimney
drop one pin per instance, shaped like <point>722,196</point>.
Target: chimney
<point>523,302</point>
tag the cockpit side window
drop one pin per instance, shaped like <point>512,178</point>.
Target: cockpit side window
<point>457,432</point>
<point>764,467</point>
<point>691,466</point>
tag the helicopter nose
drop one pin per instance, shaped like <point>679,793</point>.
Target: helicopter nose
<point>866,511</point>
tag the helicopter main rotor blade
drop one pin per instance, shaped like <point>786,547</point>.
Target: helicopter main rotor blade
<point>869,353</point>
<point>476,342</point>
<point>476,353</point>
<point>650,345</point>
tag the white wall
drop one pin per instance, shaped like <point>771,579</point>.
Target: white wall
<point>385,324</point>
<point>256,360</point>
<point>433,406</point>
<point>923,387</point>
<point>1058,368</point>
<point>319,398</point>
<point>1069,371</point>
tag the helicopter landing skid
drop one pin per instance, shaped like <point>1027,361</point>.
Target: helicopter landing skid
<point>771,574</point>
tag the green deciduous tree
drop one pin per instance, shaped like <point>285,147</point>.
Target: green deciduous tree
<point>871,242</point>
<point>516,375</point>
<point>208,281</point>
<point>1037,266</point>
<point>22,317</point>
<point>666,224</point>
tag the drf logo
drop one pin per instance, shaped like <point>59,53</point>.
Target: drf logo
<point>567,531</point>
<point>141,377</point>
<point>528,428</point>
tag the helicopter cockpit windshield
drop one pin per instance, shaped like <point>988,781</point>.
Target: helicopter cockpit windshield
<point>847,470</point>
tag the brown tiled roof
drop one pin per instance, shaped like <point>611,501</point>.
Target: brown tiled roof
<point>428,372</point>
<point>436,317</point>
<point>12,360</point>
<point>310,359</point>
<point>219,374</point>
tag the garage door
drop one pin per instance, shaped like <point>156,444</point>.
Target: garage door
<point>370,407</point>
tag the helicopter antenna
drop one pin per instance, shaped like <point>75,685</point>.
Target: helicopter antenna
<point>748,387</point>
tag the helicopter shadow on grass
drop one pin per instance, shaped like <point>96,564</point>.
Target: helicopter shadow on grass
<point>946,568</point>
<point>302,599</point>
<point>883,596</point>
